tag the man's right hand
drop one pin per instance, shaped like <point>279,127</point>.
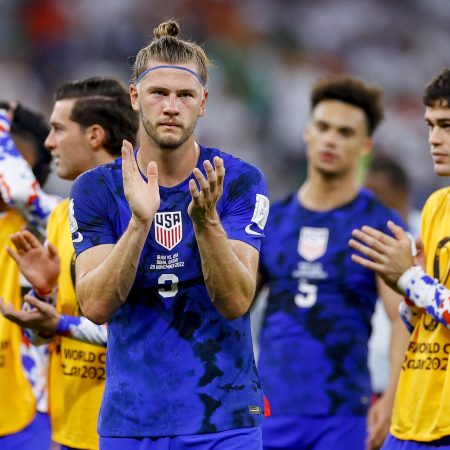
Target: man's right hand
<point>41,316</point>
<point>143,198</point>
<point>40,265</point>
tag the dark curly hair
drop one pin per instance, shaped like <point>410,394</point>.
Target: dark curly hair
<point>353,91</point>
<point>438,90</point>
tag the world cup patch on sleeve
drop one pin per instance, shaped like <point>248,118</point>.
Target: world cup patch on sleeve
<point>76,235</point>
<point>261,212</point>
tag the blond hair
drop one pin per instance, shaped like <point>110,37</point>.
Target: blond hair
<point>168,48</point>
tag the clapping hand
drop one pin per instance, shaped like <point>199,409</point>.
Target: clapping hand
<point>143,197</point>
<point>202,208</point>
<point>40,265</point>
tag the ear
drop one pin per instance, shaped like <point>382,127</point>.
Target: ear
<point>307,133</point>
<point>367,146</point>
<point>134,97</point>
<point>203,103</point>
<point>96,136</point>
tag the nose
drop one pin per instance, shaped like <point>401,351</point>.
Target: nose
<point>50,140</point>
<point>435,136</point>
<point>171,105</point>
<point>330,137</point>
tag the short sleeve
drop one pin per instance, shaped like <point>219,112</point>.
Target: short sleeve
<point>245,205</point>
<point>88,212</point>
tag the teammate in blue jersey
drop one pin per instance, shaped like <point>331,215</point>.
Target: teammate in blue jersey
<point>167,241</point>
<point>313,343</point>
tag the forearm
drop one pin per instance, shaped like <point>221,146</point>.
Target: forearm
<point>410,314</point>
<point>230,283</point>
<point>398,344</point>
<point>104,288</point>
<point>427,293</point>
<point>82,329</point>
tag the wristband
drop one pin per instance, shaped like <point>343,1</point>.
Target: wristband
<point>410,274</point>
<point>65,322</point>
<point>47,297</point>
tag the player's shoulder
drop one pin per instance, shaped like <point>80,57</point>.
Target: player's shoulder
<point>438,197</point>
<point>96,177</point>
<point>375,208</point>
<point>283,203</point>
<point>234,167</point>
<point>60,210</point>
<point>371,201</point>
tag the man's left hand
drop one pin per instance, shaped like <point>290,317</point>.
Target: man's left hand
<point>388,256</point>
<point>202,208</point>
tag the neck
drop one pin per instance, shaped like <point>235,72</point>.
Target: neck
<point>174,165</point>
<point>320,193</point>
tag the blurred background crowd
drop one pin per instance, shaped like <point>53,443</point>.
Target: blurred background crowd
<point>267,53</point>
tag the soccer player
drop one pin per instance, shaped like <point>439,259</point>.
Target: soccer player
<point>167,241</point>
<point>24,163</point>
<point>421,418</point>
<point>89,120</point>
<point>313,341</point>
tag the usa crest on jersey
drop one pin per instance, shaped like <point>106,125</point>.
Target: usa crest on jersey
<point>168,229</point>
<point>312,242</point>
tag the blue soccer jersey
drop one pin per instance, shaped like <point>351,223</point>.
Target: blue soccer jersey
<point>175,365</point>
<point>313,343</point>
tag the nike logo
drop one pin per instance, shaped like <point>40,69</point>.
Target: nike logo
<point>248,230</point>
<point>79,238</point>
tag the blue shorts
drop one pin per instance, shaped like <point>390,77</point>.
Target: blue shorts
<point>392,443</point>
<point>36,436</point>
<point>242,438</point>
<point>314,433</point>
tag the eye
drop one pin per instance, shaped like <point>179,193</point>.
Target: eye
<point>321,126</point>
<point>346,132</point>
<point>158,93</point>
<point>186,95</point>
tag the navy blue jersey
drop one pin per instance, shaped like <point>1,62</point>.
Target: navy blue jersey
<point>313,344</point>
<point>175,365</point>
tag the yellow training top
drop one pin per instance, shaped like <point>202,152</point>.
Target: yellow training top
<point>77,369</point>
<point>17,401</point>
<point>422,404</point>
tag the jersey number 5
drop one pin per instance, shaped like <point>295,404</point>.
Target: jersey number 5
<point>307,295</point>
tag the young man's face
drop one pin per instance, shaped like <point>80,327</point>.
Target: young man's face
<point>438,120</point>
<point>169,102</point>
<point>336,137</point>
<point>68,142</point>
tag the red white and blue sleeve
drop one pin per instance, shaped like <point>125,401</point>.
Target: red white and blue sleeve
<point>19,188</point>
<point>424,294</point>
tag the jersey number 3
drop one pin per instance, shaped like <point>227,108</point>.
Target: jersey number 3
<point>168,285</point>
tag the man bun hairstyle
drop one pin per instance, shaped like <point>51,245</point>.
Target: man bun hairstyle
<point>437,92</point>
<point>168,28</point>
<point>352,90</point>
<point>167,48</point>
